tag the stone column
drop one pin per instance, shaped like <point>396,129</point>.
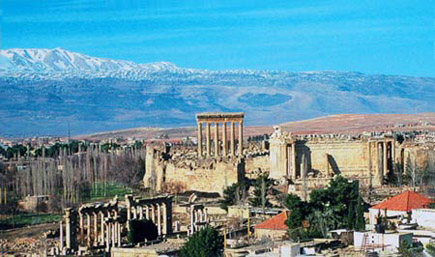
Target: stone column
<point>192,220</point>
<point>385,162</point>
<point>61,235</point>
<point>108,236</point>
<point>241,138</point>
<point>147,212</point>
<point>199,139</point>
<point>165,219</point>
<point>128,199</point>
<point>208,139</point>
<point>113,233</point>
<point>70,238</point>
<point>153,213</point>
<point>380,165</point>
<point>88,229</point>
<point>224,139</point>
<point>159,220</point>
<point>201,215</point>
<point>140,212</point>
<point>294,161</point>
<point>232,140</point>
<point>134,212</point>
<point>216,139</point>
<point>95,228</point>
<point>118,236</point>
<point>393,156</point>
<point>102,228</point>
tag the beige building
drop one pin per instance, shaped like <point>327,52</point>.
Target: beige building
<point>317,158</point>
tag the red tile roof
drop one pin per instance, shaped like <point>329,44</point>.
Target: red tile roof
<point>406,201</point>
<point>277,222</point>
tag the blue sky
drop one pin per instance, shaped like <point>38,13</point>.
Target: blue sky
<point>374,36</point>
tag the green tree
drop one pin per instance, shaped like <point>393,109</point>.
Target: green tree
<point>262,187</point>
<point>298,211</point>
<point>360,221</point>
<point>233,195</point>
<point>141,230</point>
<point>410,250</point>
<point>430,248</point>
<point>321,222</point>
<point>336,206</point>
<point>205,243</point>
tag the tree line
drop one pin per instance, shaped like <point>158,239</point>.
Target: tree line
<point>72,173</point>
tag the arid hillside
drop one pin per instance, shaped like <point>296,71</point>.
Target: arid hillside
<point>343,123</point>
<point>356,123</point>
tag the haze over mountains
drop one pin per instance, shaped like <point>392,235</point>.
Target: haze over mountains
<point>48,92</point>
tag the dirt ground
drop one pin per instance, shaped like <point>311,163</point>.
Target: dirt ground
<point>27,240</point>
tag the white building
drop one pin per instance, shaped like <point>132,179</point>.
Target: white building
<point>399,206</point>
<point>424,218</point>
<point>380,242</point>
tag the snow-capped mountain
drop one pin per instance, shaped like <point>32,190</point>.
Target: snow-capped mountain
<point>62,63</point>
<point>46,91</point>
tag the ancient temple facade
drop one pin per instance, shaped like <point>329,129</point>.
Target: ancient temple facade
<point>224,142</point>
<point>319,157</point>
<point>216,162</point>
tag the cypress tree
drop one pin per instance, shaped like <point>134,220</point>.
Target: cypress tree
<point>359,221</point>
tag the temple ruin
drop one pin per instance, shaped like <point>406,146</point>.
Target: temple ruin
<point>198,218</point>
<point>157,209</point>
<point>101,226</point>
<point>219,158</point>
<point>301,162</point>
<point>220,143</point>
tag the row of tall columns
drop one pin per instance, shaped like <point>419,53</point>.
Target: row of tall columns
<point>96,227</point>
<point>198,218</point>
<point>218,149</point>
<point>291,161</point>
<point>384,159</point>
<point>159,212</point>
<point>113,233</point>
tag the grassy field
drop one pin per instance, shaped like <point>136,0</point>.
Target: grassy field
<point>100,191</point>
<point>22,220</point>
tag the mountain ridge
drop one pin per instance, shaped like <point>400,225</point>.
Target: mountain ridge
<point>42,95</point>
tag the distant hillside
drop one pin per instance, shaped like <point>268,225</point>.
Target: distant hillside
<point>51,92</point>
<point>342,123</point>
<point>357,123</point>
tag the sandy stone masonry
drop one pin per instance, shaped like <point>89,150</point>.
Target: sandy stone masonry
<point>220,145</point>
<point>158,209</point>
<point>101,225</point>
<point>369,157</point>
<point>198,218</point>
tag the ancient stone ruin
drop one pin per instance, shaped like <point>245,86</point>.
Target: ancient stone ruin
<point>97,227</point>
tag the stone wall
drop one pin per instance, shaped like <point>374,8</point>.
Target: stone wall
<point>181,166</point>
<point>256,162</point>
<point>367,158</point>
<point>350,158</point>
<point>215,179</point>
